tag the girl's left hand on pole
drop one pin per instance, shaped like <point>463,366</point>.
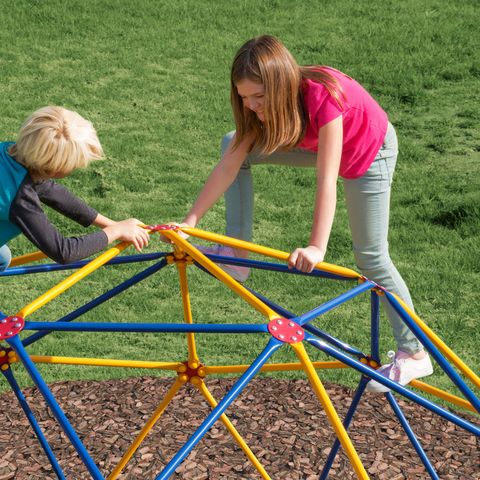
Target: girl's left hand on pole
<point>305,259</point>
<point>183,235</point>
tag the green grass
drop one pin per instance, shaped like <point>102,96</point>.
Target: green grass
<point>153,77</point>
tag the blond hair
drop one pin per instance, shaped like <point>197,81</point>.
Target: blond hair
<point>56,141</point>
<point>265,60</point>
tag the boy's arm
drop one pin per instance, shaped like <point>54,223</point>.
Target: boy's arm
<point>27,214</point>
<point>65,202</point>
<point>102,221</point>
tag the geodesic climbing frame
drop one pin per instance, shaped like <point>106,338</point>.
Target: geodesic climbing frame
<point>282,328</point>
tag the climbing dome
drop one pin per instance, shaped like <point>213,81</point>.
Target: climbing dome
<point>281,329</point>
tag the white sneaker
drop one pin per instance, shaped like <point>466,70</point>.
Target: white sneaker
<point>402,370</point>
<point>238,273</point>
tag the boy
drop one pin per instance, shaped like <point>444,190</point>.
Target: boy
<point>52,143</point>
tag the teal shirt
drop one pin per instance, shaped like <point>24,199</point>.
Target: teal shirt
<point>12,174</point>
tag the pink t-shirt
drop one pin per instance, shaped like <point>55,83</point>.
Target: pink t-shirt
<point>364,122</point>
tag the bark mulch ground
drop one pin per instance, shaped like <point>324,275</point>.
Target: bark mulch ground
<point>281,421</point>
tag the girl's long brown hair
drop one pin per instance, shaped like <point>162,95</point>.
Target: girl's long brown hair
<point>267,61</point>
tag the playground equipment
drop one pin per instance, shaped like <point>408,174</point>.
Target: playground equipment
<point>281,329</point>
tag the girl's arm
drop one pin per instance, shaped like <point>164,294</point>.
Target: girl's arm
<point>330,141</point>
<point>219,180</point>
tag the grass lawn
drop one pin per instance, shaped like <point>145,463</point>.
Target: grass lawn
<point>153,77</point>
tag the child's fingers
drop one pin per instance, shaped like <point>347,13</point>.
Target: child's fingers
<point>292,259</point>
<point>144,238</point>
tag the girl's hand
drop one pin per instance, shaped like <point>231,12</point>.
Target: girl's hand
<point>183,235</point>
<point>305,259</point>
<point>130,230</point>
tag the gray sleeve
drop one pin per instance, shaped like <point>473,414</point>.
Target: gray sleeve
<point>27,214</point>
<point>65,202</point>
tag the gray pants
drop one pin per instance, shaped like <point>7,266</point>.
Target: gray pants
<point>368,206</point>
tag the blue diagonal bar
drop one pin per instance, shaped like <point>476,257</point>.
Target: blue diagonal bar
<point>57,411</point>
<point>370,372</point>
<point>101,299</point>
<point>274,267</point>
<point>334,341</point>
<point>346,424</point>
<point>33,422</point>
<point>146,327</point>
<point>335,302</point>
<point>446,367</point>
<point>237,388</point>
<point>316,331</point>
<point>54,267</point>
<point>411,435</point>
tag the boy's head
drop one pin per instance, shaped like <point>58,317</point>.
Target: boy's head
<point>54,141</point>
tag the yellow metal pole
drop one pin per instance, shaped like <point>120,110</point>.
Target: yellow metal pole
<point>187,313</point>
<point>233,431</point>
<point>332,414</point>
<point>269,252</point>
<point>28,258</point>
<point>436,340</point>
<point>220,274</point>
<point>148,426</point>
<point>437,392</point>
<point>105,362</point>
<point>72,279</point>
<point>273,367</point>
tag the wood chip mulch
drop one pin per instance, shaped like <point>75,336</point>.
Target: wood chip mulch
<point>281,420</point>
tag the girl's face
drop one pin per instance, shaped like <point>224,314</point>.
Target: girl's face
<point>252,95</point>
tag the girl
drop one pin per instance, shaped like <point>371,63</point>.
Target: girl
<point>314,116</point>
<point>52,143</point>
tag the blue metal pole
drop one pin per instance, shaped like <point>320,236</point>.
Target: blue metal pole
<point>146,327</point>
<point>276,267</point>
<point>276,308</point>
<point>316,331</point>
<point>101,299</point>
<point>334,341</point>
<point>33,422</point>
<point>422,337</point>
<point>411,435</point>
<point>370,372</point>
<point>335,302</point>
<point>57,411</point>
<point>54,267</point>
<point>375,326</point>
<point>346,423</point>
<point>237,388</point>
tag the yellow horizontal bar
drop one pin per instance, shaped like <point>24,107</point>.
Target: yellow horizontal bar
<point>27,258</point>
<point>72,279</point>
<point>274,367</point>
<point>437,392</point>
<point>437,341</point>
<point>225,278</point>
<point>269,252</point>
<point>104,362</point>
